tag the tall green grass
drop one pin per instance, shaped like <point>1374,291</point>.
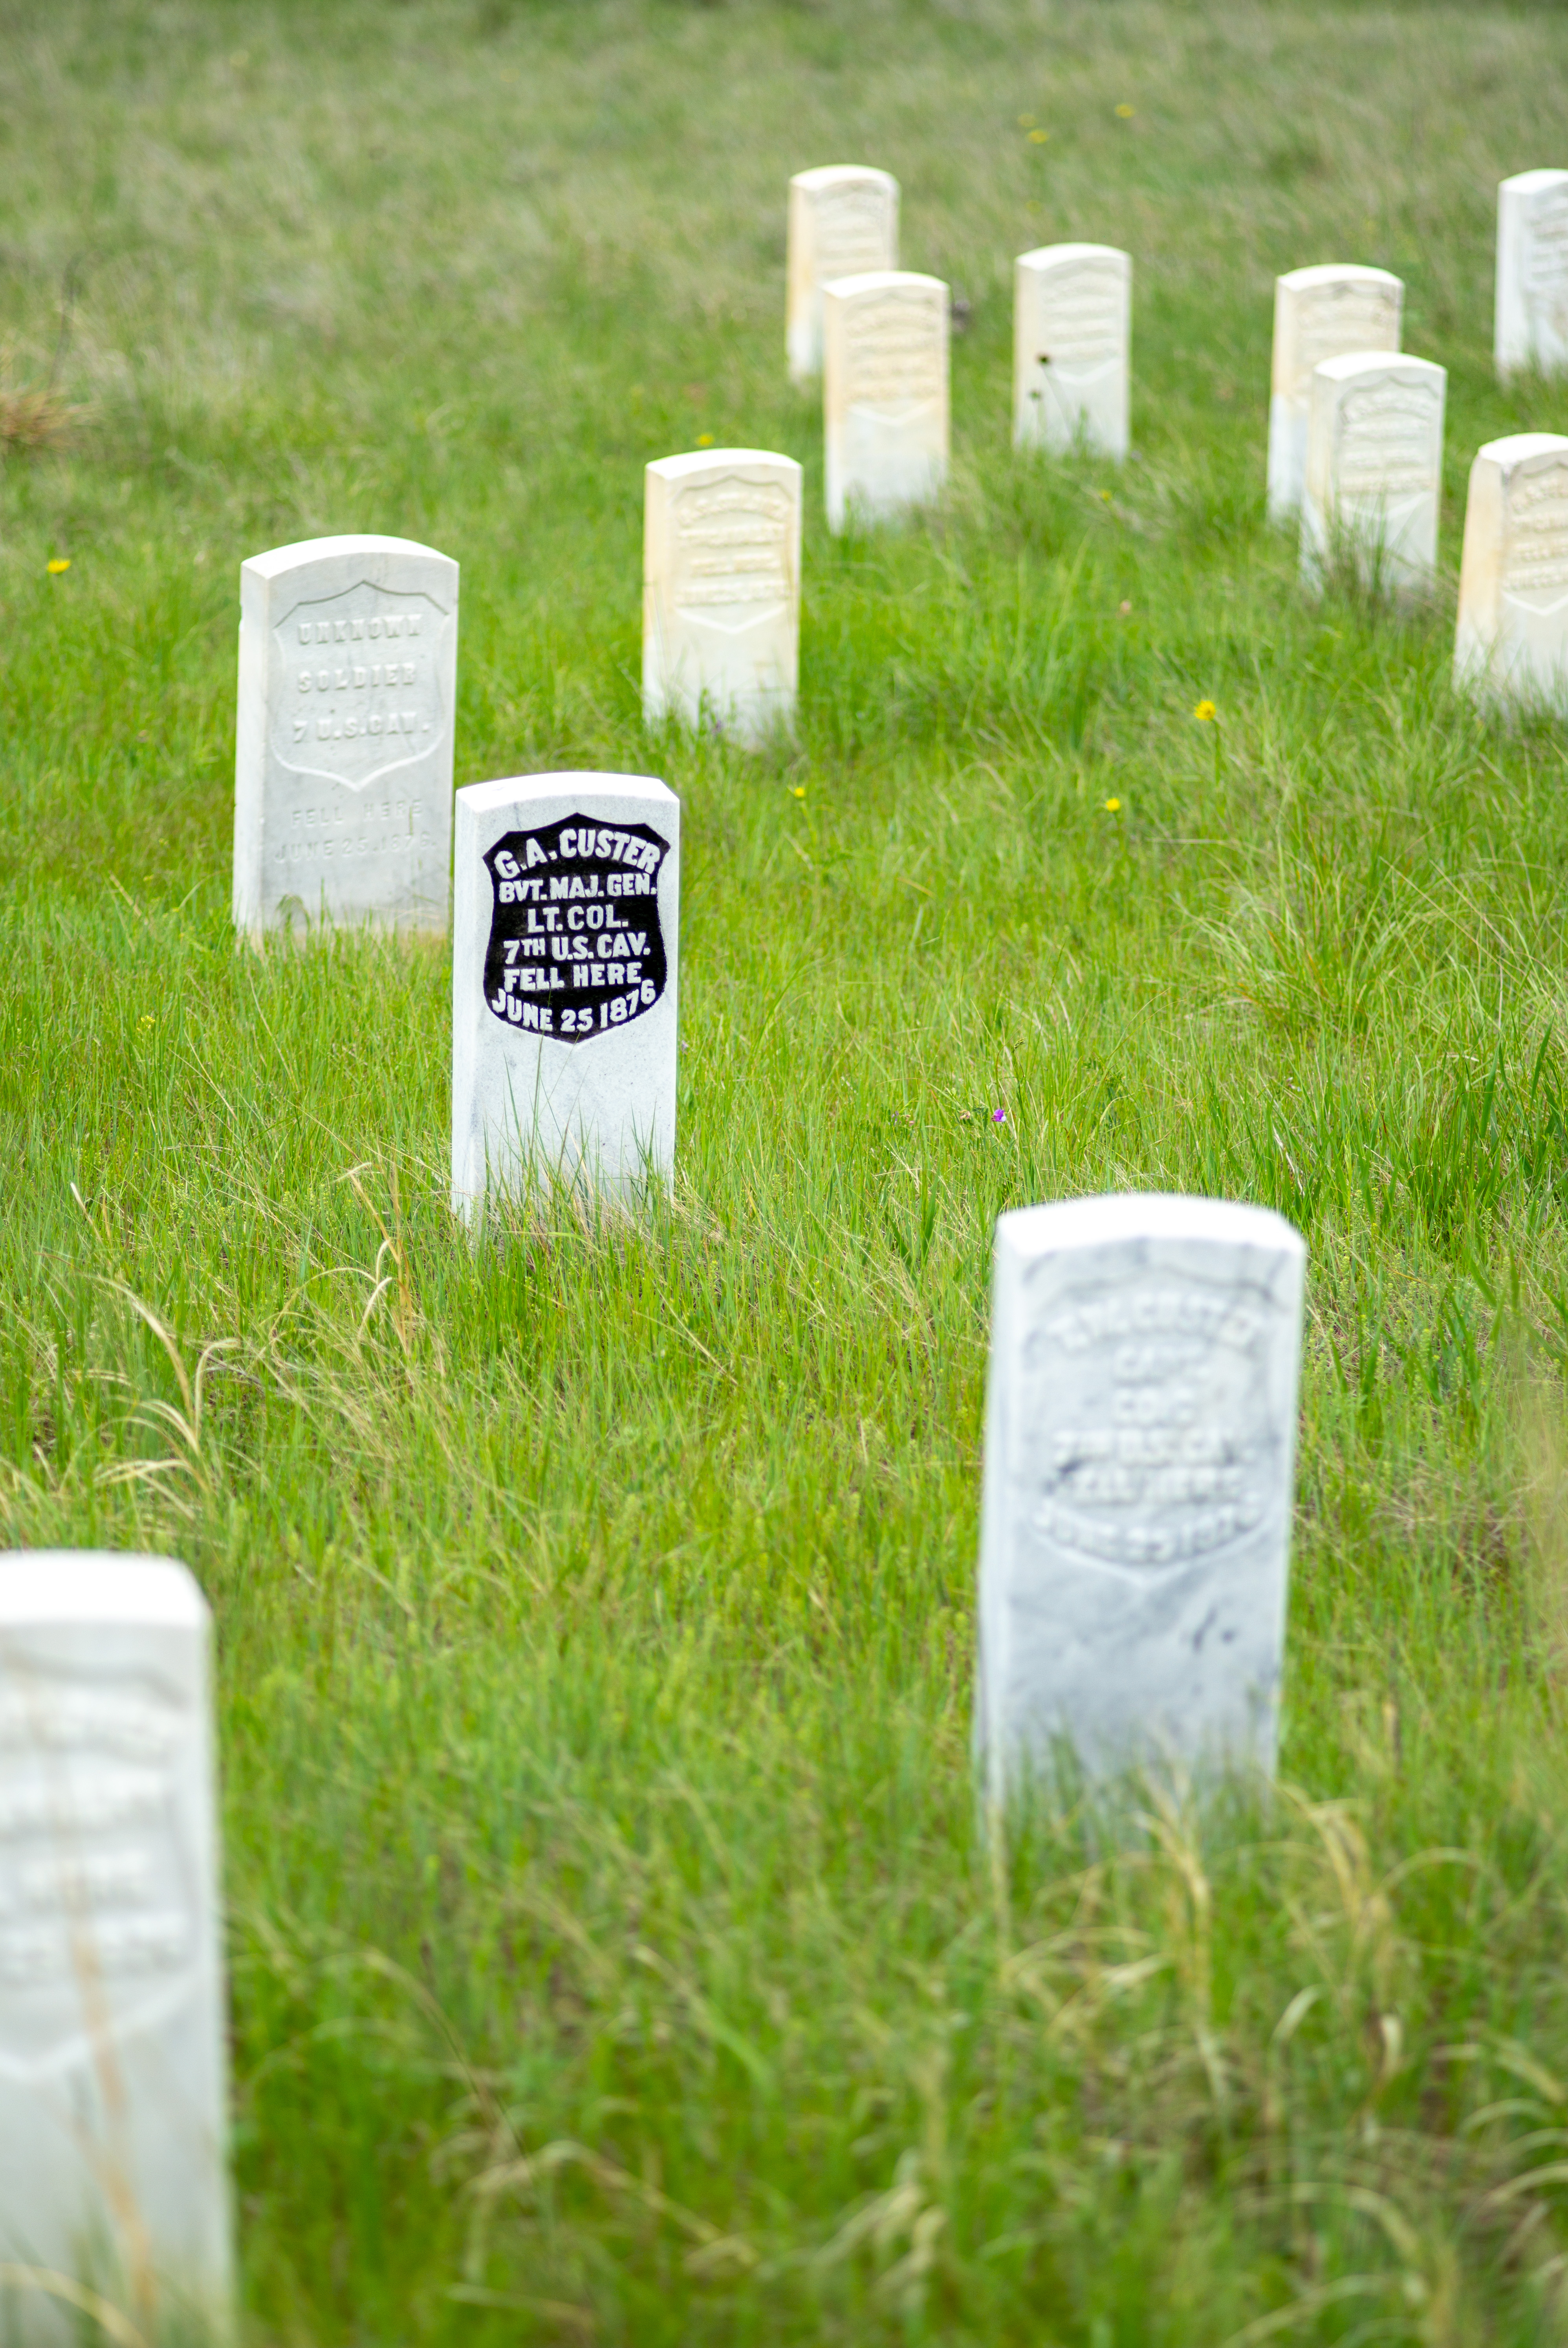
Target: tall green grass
<point>613,1955</point>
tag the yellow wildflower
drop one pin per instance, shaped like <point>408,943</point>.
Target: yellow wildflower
<point>1112,807</point>
<point>1126,112</point>
<point>1038,138</point>
<point>61,562</point>
<point>704,439</point>
<point>797,790</point>
<point>1205,711</point>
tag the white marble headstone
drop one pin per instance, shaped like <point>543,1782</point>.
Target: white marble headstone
<point>1072,319</point>
<point>885,393</point>
<point>721,590</point>
<point>342,801</point>
<point>1322,312</point>
<point>1140,1441</point>
<point>843,220</point>
<point>565,956</point>
<point>1513,635</point>
<point>1531,314</point>
<point>113,2161</point>
<point>1374,467</point>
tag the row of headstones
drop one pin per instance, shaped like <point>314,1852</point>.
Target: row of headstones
<point>1139,1473</point>
<point>1139,1437</point>
<point>348,646</point>
<point>1355,429</point>
<point>843,224</point>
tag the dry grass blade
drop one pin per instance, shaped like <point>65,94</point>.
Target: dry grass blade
<point>33,420</point>
<point>186,1424</point>
<point>102,2312</point>
<point>716,2250</point>
<point>1303,2310</point>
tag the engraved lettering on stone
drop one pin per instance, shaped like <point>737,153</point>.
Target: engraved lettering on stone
<point>1536,559</point>
<point>92,1880</point>
<point>1387,440</point>
<point>320,835</point>
<point>571,915</point>
<point>358,714</point>
<point>1083,316</point>
<point>1332,319</point>
<point>894,353</point>
<point>1546,266</point>
<point>851,232</point>
<point>732,542</point>
<point>1159,1445</point>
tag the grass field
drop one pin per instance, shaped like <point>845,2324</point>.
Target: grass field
<point>614,1957</point>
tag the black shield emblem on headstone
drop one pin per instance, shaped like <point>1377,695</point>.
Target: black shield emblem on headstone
<point>576,949</point>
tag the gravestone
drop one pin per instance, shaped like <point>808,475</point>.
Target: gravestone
<point>884,394</point>
<point>1530,327</point>
<point>1512,636</point>
<point>721,590</point>
<point>842,221</point>
<point>565,953</point>
<point>1140,1440</point>
<point>1322,312</point>
<point>112,2061</point>
<point>1073,317</point>
<point>1374,467</point>
<point>343,799</point>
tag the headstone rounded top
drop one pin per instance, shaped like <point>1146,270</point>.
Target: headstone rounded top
<point>704,460</point>
<point>1148,1215</point>
<point>102,1587</point>
<point>1042,255</point>
<point>881,281</point>
<point>827,175</point>
<point>483,798</point>
<point>1338,273</point>
<point>1520,447</point>
<point>279,558</point>
<point>1350,364</point>
<point>1530,183</point>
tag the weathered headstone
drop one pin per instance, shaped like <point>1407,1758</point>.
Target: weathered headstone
<point>843,220</point>
<point>342,801</point>
<point>1513,635</point>
<point>885,393</point>
<point>1140,1440</point>
<point>1531,314</point>
<point>1374,467</point>
<point>1072,320</point>
<point>721,590</point>
<point>1322,312</point>
<point>113,2169</point>
<point>565,954</point>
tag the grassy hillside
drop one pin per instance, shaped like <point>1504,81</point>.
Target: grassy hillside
<point>614,1959</point>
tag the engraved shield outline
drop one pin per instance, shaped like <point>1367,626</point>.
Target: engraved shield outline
<point>1526,599</point>
<point>1547,290</point>
<point>1062,389</point>
<point>866,203</point>
<point>1334,301</point>
<point>74,2033</point>
<point>905,412</point>
<point>1030,1487</point>
<point>513,843</point>
<point>285,655</point>
<point>702,615</point>
<point>1414,399</point>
